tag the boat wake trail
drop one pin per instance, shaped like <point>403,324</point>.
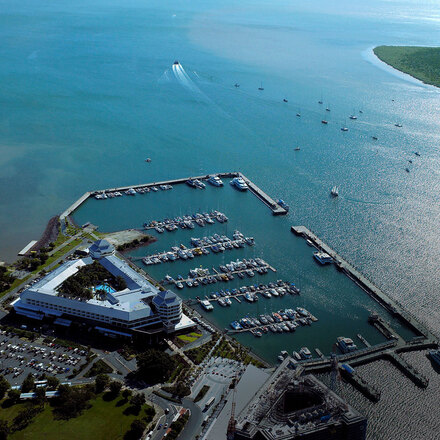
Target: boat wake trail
<point>366,202</point>
<point>185,81</point>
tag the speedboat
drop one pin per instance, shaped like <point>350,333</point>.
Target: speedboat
<point>353,117</point>
<point>130,192</point>
<point>335,191</point>
<point>239,183</point>
<point>215,180</point>
<point>323,257</point>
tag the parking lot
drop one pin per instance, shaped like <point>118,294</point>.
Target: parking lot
<point>19,357</point>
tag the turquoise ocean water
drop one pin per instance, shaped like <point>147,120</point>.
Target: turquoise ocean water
<point>87,92</point>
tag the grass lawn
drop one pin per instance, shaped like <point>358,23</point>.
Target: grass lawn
<point>190,337</point>
<point>422,63</point>
<point>104,420</point>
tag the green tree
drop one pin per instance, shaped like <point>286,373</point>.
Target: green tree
<point>101,383</point>
<point>4,429</point>
<point>137,428</point>
<point>28,384</point>
<point>14,396</point>
<point>126,394</point>
<point>52,383</point>
<point>40,396</point>
<point>138,400</point>
<point>4,386</point>
<point>115,387</point>
<point>155,366</point>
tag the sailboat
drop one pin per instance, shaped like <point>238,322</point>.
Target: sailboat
<point>261,87</point>
<point>335,191</point>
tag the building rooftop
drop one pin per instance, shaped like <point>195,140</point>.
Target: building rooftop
<point>289,406</point>
<point>130,303</point>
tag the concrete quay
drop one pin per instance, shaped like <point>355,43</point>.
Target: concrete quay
<point>360,384</point>
<point>388,303</point>
<point>253,188</point>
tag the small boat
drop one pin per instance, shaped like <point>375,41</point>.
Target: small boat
<point>261,87</point>
<point>353,117</point>
<point>236,85</point>
<point>283,204</point>
<point>176,63</point>
<point>416,153</point>
<point>298,114</point>
<point>297,149</point>
<point>374,138</point>
<point>344,127</point>
<point>324,122</point>
<point>285,100</point>
<point>398,125</point>
<point>191,183</point>
<point>335,191</point>
<point>407,170</point>
<point>410,161</point>
<point>327,109</point>
<point>148,160</point>
<point>309,242</point>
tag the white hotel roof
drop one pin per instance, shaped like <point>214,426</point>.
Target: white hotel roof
<point>126,304</point>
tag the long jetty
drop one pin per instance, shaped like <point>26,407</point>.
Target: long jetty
<point>388,303</point>
<point>253,188</point>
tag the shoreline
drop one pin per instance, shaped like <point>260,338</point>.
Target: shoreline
<point>372,58</point>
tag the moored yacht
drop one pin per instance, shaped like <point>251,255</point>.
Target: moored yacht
<point>239,183</point>
<point>346,345</point>
<point>215,180</point>
<point>323,257</point>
